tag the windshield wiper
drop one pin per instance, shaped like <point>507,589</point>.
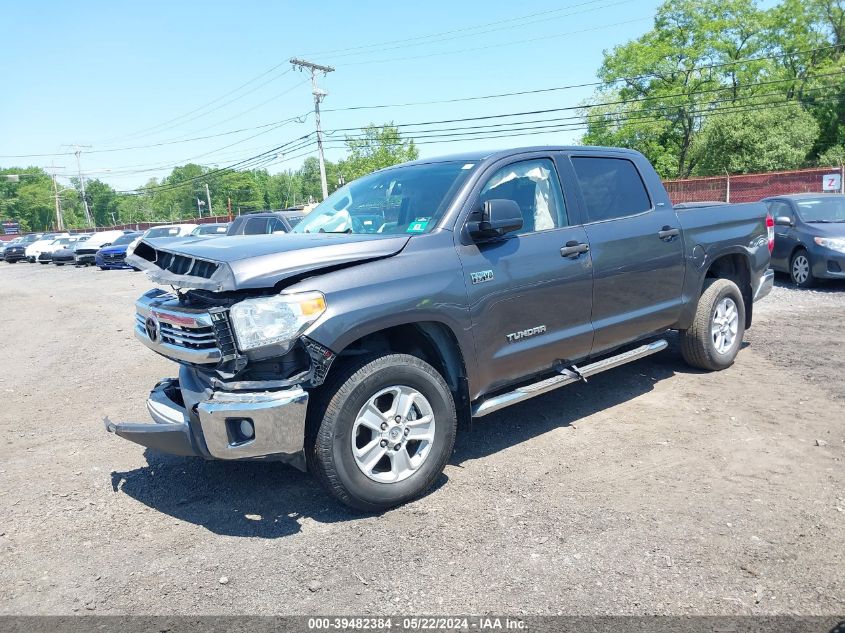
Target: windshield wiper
<point>349,231</point>
<point>824,221</point>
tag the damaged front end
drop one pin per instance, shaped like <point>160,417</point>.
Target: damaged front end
<point>225,403</point>
<point>240,336</point>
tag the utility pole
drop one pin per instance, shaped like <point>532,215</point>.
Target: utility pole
<point>77,149</point>
<point>60,224</point>
<point>319,95</point>
<point>208,197</point>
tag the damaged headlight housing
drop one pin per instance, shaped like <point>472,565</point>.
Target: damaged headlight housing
<point>274,320</point>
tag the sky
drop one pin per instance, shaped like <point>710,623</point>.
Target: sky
<point>139,81</point>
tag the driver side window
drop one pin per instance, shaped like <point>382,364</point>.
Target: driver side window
<point>534,186</point>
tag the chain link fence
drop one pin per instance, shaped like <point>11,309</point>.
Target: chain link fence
<point>753,187</point>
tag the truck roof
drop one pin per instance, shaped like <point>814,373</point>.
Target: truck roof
<point>483,155</point>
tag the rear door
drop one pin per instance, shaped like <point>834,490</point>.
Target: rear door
<point>530,301</point>
<point>637,251</point>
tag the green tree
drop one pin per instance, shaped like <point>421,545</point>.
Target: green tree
<point>661,83</point>
<point>377,147</point>
<point>707,59</point>
<point>103,203</point>
<point>755,140</point>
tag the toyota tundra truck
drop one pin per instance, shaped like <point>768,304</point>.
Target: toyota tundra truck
<point>431,292</point>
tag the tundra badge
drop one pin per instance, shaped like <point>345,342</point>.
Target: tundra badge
<point>515,336</point>
<point>481,276</point>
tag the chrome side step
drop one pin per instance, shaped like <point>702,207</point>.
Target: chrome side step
<point>567,376</point>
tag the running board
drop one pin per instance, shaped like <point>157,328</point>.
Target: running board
<point>566,377</point>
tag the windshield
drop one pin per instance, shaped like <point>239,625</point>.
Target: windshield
<point>60,241</point>
<point>126,239</point>
<point>408,199</point>
<point>822,210</point>
<point>163,231</point>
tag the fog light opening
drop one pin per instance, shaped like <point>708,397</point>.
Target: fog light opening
<point>240,430</point>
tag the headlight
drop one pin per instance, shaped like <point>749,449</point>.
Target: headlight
<point>833,243</point>
<point>277,319</point>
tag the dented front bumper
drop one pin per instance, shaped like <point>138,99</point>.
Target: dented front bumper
<point>191,418</point>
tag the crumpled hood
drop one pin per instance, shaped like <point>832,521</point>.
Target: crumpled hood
<point>255,261</point>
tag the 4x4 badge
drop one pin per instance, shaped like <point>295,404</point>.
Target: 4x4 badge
<point>481,276</point>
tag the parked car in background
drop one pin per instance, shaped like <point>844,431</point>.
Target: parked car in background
<point>86,252</point>
<point>210,230</point>
<point>4,245</point>
<point>14,252</point>
<point>67,253</point>
<point>46,254</point>
<point>265,222</point>
<point>114,256</point>
<point>809,236</point>
<point>33,250</point>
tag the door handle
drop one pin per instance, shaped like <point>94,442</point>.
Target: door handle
<point>573,249</point>
<point>668,233</point>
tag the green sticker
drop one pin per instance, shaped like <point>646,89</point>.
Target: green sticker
<point>417,226</point>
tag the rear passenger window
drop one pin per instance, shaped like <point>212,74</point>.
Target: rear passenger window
<point>276,226</point>
<point>611,187</point>
<point>255,226</point>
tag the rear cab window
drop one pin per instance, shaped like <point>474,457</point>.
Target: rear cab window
<point>610,187</point>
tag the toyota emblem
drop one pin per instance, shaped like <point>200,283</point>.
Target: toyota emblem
<point>152,327</point>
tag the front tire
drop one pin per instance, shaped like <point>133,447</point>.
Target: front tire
<point>715,337</point>
<point>381,431</point>
<point>801,269</point>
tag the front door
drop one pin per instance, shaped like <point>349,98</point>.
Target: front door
<point>637,249</point>
<point>530,292</point>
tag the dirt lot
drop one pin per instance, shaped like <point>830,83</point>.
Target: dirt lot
<point>652,489</point>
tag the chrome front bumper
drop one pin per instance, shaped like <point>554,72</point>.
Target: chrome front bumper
<point>191,419</point>
<point>767,281</point>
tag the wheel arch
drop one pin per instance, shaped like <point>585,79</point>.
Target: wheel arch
<point>431,341</point>
<point>735,266</point>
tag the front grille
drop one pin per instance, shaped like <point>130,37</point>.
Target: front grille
<point>87,251</point>
<point>114,257</point>
<point>175,263</point>
<point>199,338</point>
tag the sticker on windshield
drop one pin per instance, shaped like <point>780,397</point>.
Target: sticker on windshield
<point>418,226</point>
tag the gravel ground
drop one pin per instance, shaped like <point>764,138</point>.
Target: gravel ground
<point>653,489</point>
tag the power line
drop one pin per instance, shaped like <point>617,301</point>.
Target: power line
<point>654,114</point>
<point>572,86</point>
<point>202,107</point>
<point>589,106</point>
<point>262,159</point>
<point>408,40</point>
<point>497,45</point>
<point>484,30</point>
<point>435,102</point>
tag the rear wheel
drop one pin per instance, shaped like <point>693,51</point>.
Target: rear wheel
<point>716,334</point>
<point>801,270</point>
<point>382,431</point>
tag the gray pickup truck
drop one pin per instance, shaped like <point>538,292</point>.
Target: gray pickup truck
<point>433,292</point>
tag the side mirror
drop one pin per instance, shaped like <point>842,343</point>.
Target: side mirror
<point>782,220</point>
<point>498,217</point>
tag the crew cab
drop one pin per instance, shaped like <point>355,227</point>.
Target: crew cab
<point>429,292</point>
